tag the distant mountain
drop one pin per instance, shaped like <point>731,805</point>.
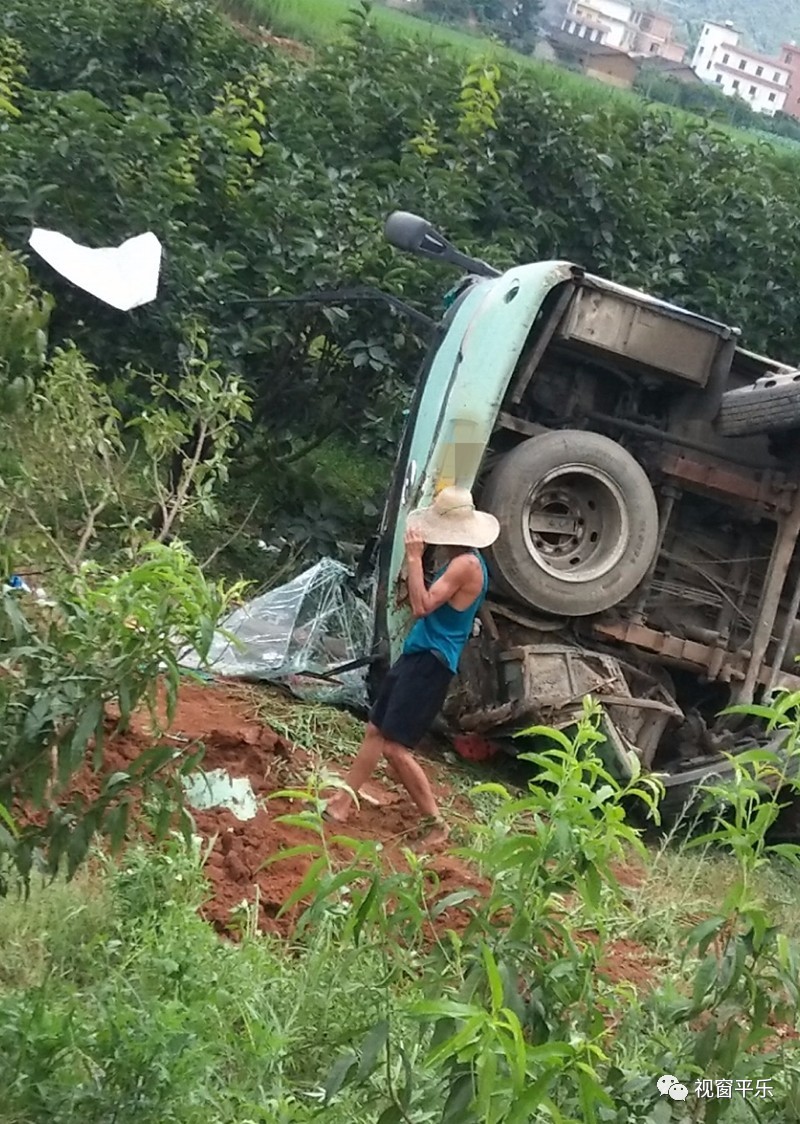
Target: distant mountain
<point>764,23</point>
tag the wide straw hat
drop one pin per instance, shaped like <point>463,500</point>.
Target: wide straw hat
<point>452,520</point>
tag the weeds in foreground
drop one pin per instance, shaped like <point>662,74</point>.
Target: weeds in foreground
<point>399,1002</point>
<point>140,1014</point>
<point>517,1023</point>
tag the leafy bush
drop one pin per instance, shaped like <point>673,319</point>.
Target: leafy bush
<point>142,1015</point>
<point>376,1015</point>
<point>710,102</point>
<point>766,26</point>
<point>516,1019</point>
<point>75,476</point>
<point>24,318</point>
<point>268,176</point>
<point>103,640</point>
<point>513,21</point>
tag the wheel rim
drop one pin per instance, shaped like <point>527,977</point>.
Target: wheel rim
<point>575,523</point>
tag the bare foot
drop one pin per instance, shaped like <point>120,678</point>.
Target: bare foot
<point>338,808</point>
<point>434,833</point>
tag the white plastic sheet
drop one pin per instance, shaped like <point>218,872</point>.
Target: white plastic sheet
<point>298,633</point>
<point>218,789</point>
<point>123,276</point>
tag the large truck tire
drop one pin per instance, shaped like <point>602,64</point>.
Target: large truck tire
<point>768,406</point>
<point>579,523</point>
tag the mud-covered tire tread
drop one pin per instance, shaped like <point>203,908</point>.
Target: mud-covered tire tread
<point>768,406</point>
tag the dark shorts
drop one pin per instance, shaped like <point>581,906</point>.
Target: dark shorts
<point>411,696</point>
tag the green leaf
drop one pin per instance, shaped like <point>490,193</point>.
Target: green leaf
<point>713,1110</point>
<point>365,907</point>
<point>117,825</point>
<point>343,878</point>
<point>408,1078</point>
<point>87,724</point>
<point>788,851</point>
<point>492,788</point>
<point>290,853</point>
<point>308,821</point>
<point>524,1107</point>
<point>753,710</point>
<point>704,1046</point>
<point>374,1043</point>
<point>466,1036</point>
<point>459,1098</point>
<point>340,1073</point>
<point>546,732</point>
<point>8,820</point>
<point>300,794</point>
<point>704,978</point>
<point>702,934</point>
<point>661,1113</point>
<point>493,976</point>
<point>309,884</point>
<point>592,885</point>
<point>551,1052</point>
<point>728,1046</point>
<point>517,1054</point>
<point>452,900</point>
<point>441,1009</point>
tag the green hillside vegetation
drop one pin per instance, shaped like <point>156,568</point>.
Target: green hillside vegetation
<point>269,176</point>
<point>321,21</point>
<point>476,989</point>
<point>765,25</point>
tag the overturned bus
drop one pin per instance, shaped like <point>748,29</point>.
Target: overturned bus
<point>644,469</point>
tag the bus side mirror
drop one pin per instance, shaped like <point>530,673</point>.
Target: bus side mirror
<point>415,235</point>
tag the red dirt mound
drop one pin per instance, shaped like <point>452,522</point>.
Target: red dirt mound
<point>244,864</point>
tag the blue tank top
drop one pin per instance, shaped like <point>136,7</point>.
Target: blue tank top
<point>446,630</point>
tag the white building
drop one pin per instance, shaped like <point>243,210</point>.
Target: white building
<point>622,25</point>
<point>720,59</point>
<point>600,21</point>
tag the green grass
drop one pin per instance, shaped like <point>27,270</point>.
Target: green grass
<point>121,1005</point>
<point>353,474</point>
<point>319,21</point>
<point>325,732</point>
<point>681,886</point>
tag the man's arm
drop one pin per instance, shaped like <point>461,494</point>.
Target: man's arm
<point>424,601</point>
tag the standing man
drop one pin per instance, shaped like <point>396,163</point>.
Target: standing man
<point>415,688</point>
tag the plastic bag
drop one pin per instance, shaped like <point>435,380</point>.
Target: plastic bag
<point>297,633</point>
